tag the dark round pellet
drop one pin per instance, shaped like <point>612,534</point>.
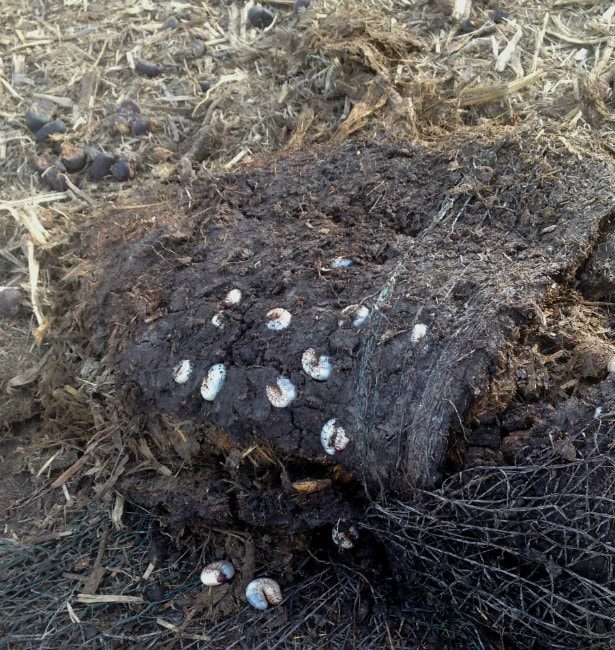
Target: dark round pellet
<point>101,166</point>
<point>260,17</point>
<point>56,177</point>
<point>170,23</point>
<point>144,125</point>
<point>301,4</point>
<point>39,113</point>
<point>499,16</point>
<point>51,128</point>
<point>10,302</point>
<point>122,171</point>
<point>148,68</point>
<point>466,26</point>
<point>42,162</point>
<point>119,124</point>
<point>73,158</point>
<point>128,107</point>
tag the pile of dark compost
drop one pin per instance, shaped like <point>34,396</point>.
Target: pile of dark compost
<point>452,249</point>
<point>477,260</point>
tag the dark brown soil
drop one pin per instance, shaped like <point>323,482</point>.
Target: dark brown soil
<point>468,238</point>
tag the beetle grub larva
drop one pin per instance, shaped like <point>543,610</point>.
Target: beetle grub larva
<point>340,263</point>
<point>182,371</point>
<point>263,593</point>
<point>217,573</point>
<point>219,319</point>
<point>282,394</point>
<point>278,319</point>
<point>232,298</point>
<point>260,17</point>
<point>333,437</point>
<point>419,331</point>
<point>344,536</point>
<point>356,314</point>
<point>213,382</point>
<point>317,367</point>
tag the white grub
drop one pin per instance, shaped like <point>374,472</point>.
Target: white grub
<point>217,573</point>
<point>182,371</point>
<point>340,263</point>
<point>357,314</point>
<point>232,298</point>
<point>319,368</point>
<point>344,536</point>
<point>610,366</point>
<point>213,382</point>
<point>218,320</point>
<point>263,593</point>
<point>278,319</point>
<point>333,437</point>
<point>419,331</point>
<point>282,394</point>
<point>598,412</point>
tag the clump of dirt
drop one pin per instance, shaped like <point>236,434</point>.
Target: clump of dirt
<point>452,248</point>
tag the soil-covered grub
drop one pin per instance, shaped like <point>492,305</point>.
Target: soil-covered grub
<point>466,239</point>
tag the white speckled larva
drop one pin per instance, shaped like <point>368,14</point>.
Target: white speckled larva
<point>344,536</point>
<point>340,263</point>
<point>213,382</point>
<point>217,573</point>
<point>182,371</point>
<point>357,314</point>
<point>278,319</point>
<point>232,298</point>
<point>263,593</point>
<point>610,366</point>
<point>319,368</point>
<point>419,331</point>
<point>282,394</point>
<point>333,437</point>
<point>219,319</point>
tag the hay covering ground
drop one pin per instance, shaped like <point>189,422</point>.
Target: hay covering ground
<point>81,566</point>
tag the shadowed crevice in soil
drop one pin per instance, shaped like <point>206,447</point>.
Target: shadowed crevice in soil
<point>467,238</point>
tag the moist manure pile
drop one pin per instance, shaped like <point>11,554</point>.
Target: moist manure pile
<point>307,335</point>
